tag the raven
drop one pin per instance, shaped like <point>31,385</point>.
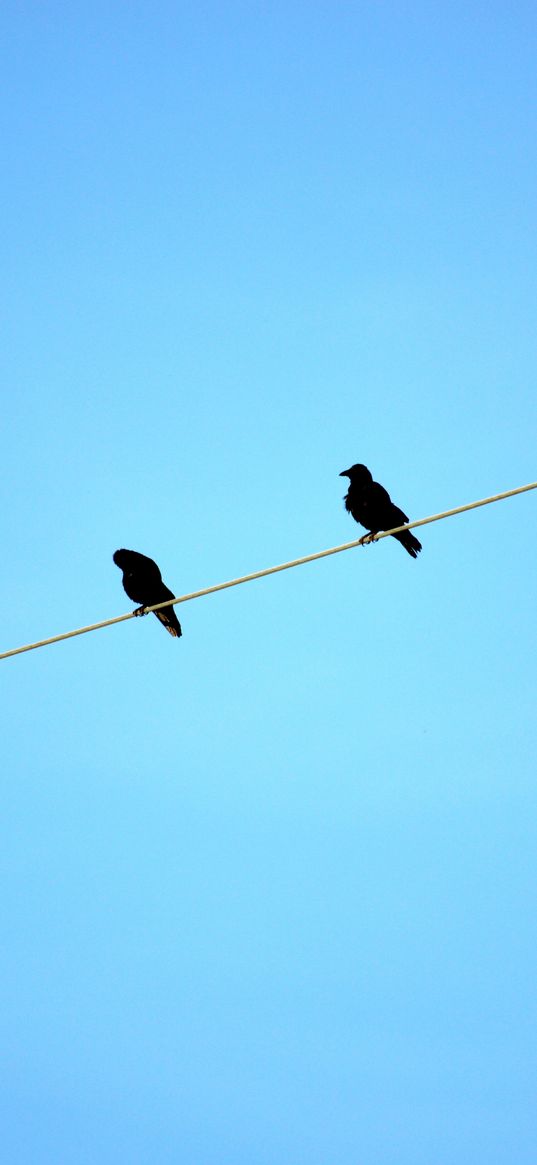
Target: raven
<point>371,505</point>
<point>143,583</point>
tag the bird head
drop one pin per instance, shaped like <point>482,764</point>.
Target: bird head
<point>121,558</point>
<point>358,474</point>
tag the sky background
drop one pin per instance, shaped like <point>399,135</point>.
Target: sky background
<point>269,890</point>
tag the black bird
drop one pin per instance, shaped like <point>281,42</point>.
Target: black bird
<point>143,583</point>
<point>371,505</point>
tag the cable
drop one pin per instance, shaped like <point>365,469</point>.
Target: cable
<point>235,582</point>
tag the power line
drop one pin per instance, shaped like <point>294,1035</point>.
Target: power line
<point>235,582</point>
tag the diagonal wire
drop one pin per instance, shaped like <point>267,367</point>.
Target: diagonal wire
<point>235,582</point>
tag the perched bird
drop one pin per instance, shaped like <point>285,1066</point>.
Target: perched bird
<point>143,583</point>
<point>371,505</point>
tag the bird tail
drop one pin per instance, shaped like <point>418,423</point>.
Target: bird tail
<point>410,543</point>
<point>170,621</point>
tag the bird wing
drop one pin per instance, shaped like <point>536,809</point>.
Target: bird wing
<point>380,508</point>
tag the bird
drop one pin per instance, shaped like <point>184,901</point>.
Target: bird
<point>143,583</point>
<point>371,505</point>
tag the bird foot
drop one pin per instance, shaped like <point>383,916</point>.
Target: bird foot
<point>368,539</point>
<point>139,611</point>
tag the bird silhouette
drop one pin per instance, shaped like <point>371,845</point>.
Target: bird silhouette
<point>143,583</point>
<point>371,506</point>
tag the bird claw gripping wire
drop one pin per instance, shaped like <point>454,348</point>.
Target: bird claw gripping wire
<point>139,611</point>
<point>368,538</point>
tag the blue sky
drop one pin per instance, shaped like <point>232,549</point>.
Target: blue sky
<point>268,891</point>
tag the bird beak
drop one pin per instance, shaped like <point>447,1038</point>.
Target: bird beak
<point>345,473</point>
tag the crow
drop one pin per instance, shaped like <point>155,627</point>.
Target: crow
<point>143,583</point>
<point>371,505</point>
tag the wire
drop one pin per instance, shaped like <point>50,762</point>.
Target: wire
<point>235,582</point>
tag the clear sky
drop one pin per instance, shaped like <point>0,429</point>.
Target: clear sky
<point>268,891</point>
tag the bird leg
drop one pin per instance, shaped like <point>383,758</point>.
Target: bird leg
<point>139,611</point>
<point>368,538</point>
